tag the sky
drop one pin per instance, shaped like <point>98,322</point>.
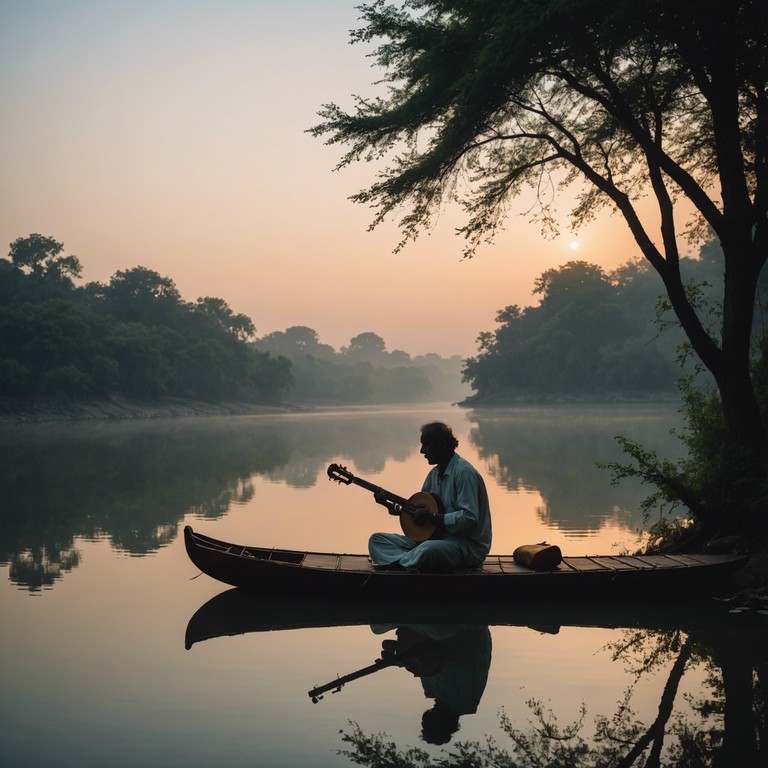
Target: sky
<point>171,134</point>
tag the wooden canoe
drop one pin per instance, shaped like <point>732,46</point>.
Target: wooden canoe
<point>288,572</point>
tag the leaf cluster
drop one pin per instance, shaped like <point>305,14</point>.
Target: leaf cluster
<point>487,98</point>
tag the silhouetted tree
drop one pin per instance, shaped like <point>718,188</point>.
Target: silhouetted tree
<point>362,372</point>
<point>241,326</point>
<point>295,343</point>
<point>488,98</point>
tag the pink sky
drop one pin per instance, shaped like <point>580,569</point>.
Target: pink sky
<point>171,135</point>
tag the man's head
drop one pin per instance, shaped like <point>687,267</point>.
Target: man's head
<point>438,442</point>
<point>438,724</point>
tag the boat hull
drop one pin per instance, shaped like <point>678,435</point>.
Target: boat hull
<point>289,572</point>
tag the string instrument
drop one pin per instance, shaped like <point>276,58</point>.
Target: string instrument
<point>405,508</point>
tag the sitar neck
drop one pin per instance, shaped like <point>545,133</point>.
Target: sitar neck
<point>390,496</point>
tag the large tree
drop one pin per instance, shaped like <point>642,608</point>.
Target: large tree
<point>488,97</point>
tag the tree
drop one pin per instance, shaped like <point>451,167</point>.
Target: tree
<point>296,343</point>
<point>368,347</point>
<point>141,295</point>
<point>486,98</point>
<point>241,326</point>
<point>42,256</point>
<point>37,270</point>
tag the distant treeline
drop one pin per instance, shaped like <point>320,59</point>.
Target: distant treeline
<point>364,371</point>
<point>595,334</point>
<point>136,336</point>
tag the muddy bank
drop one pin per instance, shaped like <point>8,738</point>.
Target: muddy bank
<point>119,407</point>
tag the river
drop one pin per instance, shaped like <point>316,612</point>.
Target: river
<point>116,651</point>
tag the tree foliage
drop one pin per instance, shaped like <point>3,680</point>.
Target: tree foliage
<point>586,338</point>
<point>42,257</point>
<point>134,335</point>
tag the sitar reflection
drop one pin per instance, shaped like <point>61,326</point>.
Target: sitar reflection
<point>451,661</point>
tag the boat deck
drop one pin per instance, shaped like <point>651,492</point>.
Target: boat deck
<point>492,565</point>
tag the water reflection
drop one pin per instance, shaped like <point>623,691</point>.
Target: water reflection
<point>129,483</point>
<point>555,450</point>
<point>721,722</point>
<point>724,723</point>
<point>134,482</point>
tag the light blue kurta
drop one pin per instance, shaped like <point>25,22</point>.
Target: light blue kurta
<point>467,537</point>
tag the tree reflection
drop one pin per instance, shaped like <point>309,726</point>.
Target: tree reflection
<point>555,450</point>
<point>40,567</point>
<point>130,484</point>
<point>724,725</point>
<point>135,482</point>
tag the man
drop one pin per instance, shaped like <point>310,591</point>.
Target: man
<point>462,528</point>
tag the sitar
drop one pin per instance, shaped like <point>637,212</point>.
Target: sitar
<point>405,508</point>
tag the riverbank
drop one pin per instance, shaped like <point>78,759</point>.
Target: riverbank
<point>120,407</point>
<point>595,398</point>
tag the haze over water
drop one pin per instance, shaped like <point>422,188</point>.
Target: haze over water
<point>99,599</point>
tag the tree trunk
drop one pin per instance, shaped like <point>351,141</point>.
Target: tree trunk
<point>741,413</point>
<point>729,364</point>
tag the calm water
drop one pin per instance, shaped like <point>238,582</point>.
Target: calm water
<point>114,652</point>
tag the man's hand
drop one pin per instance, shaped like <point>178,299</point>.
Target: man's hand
<point>423,516</point>
<point>380,497</point>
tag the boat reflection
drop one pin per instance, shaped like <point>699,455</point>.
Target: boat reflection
<point>238,611</point>
<point>723,721</point>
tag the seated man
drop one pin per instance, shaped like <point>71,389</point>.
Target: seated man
<point>463,529</point>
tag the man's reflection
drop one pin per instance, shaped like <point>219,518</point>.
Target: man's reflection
<point>452,662</point>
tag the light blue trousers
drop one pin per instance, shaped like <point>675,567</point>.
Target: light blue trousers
<point>433,555</point>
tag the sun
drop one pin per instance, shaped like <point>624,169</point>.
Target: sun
<point>574,245</point>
